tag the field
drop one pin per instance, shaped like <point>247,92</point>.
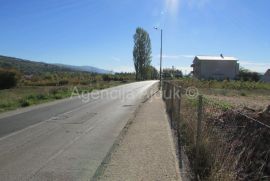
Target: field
<point>233,141</point>
<point>24,96</point>
<point>255,95</point>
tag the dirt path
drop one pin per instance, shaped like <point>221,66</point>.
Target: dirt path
<point>147,150</point>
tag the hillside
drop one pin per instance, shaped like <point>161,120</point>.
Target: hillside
<point>32,67</point>
<point>85,69</point>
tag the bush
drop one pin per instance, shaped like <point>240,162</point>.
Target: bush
<point>106,77</point>
<point>58,96</point>
<point>24,103</point>
<point>8,78</point>
<point>246,75</point>
<point>243,94</point>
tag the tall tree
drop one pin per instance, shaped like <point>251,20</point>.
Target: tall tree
<point>142,53</point>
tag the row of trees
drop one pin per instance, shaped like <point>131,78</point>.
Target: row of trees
<point>142,56</point>
<point>247,75</point>
<point>10,78</point>
<point>124,77</point>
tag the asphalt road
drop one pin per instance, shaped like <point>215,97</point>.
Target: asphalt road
<point>67,139</point>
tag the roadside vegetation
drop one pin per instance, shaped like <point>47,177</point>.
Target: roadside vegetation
<point>25,96</point>
<point>255,95</point>
<point>8,78</point>
<point>20,89</point>
<point>226,84</point>
<point>234,142</point>
<point>214,161</point>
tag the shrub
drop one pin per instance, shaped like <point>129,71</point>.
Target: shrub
<point>243,94</point>
<point>106,77</point>
<point>8,78</point>
<point>247,75</point>
<point>24,103</point>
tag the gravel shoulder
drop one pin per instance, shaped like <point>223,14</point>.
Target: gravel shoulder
<point>147,151</point>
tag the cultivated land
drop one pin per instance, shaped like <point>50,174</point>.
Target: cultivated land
<point>239,94</point>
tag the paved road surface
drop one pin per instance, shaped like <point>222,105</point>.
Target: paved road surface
<point>68,139</point>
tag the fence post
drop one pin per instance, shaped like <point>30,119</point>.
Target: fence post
<point>178,124</point>
<point>172,105</point>
<point>179,102</point>
<point>198,134</point>
<point>163,91</point>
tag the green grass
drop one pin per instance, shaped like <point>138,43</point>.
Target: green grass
<point>32,95</point>
<point>222,105</point>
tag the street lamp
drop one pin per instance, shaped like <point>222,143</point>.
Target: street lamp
<point>160,71</point>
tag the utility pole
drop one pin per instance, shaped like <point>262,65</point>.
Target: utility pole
<point>161,44</point>
<point>161,39</point>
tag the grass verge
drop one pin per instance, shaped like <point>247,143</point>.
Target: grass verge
<point>12,99</point>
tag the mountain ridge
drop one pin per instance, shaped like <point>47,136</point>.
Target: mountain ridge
<point>86,68</point>
<point>36,67</point>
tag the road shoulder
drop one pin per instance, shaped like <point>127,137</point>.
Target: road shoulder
<point>147,151</point>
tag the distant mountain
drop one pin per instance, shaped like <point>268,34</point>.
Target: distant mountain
<point>32,67</point>
<point>86,69</point>
<point>29,67</point>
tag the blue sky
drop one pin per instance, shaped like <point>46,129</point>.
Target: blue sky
<point>100,32</point>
